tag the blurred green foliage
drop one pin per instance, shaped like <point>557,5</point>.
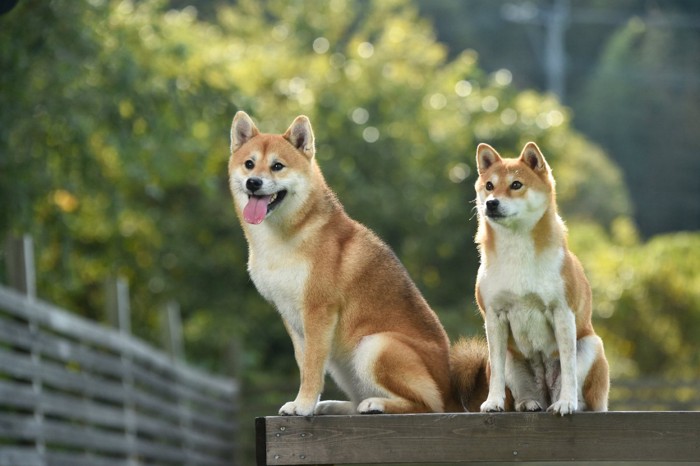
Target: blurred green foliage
<point>646,297</point>
<point>648,78</point>
<point>629,72</point>
<point>114,142</point>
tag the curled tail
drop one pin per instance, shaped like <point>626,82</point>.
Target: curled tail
<point>469,367</point>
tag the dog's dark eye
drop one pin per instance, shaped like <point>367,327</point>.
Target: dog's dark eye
<point>489,186</point>
<point>249,164</point>
<point>277,167</point>
<point>515,185</point>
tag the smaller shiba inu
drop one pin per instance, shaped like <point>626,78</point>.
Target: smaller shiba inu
<point>533,293</point>
<point>347,303</point>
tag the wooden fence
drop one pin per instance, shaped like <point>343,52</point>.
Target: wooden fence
<point>75,393</point>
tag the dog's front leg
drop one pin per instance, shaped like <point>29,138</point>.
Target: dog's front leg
<point>297,343</point>
<point>497,339</point>
<point>319,329</point>
<point>565,333</point>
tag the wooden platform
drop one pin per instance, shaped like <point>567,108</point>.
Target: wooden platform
<point>467,437</point>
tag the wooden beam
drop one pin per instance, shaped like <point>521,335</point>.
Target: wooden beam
<point>118,304</point>
<point>466,437</point>
<point>19,263</point>
<point>172,331</point>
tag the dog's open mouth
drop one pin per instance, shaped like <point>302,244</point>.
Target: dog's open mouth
<point>259,206</point>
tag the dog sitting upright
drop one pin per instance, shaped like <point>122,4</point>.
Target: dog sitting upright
<point>532,292</point>
<point>347,303</point>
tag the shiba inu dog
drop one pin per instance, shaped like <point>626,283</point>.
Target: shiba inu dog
<point>533,293</point>
<point>347,303</point>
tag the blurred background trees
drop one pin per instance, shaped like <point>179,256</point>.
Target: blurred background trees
<point>114,123</point>
<point>629,71</point>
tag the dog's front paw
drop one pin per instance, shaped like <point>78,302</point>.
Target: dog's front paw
<point>492,405</point>
<point>528,406</point>
<point>563,407</point>
<point>371,406</point>
<point>294,408</point>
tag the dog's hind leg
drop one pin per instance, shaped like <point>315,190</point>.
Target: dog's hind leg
<point>593,374</point>
<point>526,380</point>
<point>395,378</point>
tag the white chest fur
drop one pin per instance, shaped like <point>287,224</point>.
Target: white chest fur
<point>524,287</point>
<point>279,273</point>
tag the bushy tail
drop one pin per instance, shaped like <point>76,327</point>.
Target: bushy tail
<point>469,363</point>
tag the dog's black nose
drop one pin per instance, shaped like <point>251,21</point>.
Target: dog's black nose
<point>253,184</point>
<point>492,205</point>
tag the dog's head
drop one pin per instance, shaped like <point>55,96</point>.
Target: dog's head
<point>269,172</point>
<point>513,193</point>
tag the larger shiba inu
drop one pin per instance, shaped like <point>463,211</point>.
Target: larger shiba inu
<point>532,292</point>
<point>347,303</point>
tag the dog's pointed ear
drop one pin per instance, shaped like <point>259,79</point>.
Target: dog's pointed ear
<point>486,156</point>
<point>242,130</point>
<point>532,156</point>
<point>301,136</point>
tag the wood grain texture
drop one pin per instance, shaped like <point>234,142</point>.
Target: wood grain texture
<point>456,438</point>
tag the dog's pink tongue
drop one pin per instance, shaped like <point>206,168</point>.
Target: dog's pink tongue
<point>256,209</point>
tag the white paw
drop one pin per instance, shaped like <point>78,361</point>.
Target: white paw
<point>563,407</point>
<point>371,406</point>
<point>492,405</point>
<point>295,408</point>
<point>528,406</point>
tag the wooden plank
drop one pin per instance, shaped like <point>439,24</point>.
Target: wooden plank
<point>19,263</point>
<point>62,405</point>
<point>161,425</point>
<point>261,434</point>
<point>25,456</point>
<point>27,427</point>
<point>89,411</point>
<point>170,383</point>
<point>60,458</point>
<point>15,333</point>
<point>171,323</point>
<point>20,365</point>
<point>118,304</point>
<point>18,395</point>
<point>55,347</point>
<point>501,437</point>
<point>177,413</point>
<point>63,322</point>
<point>84,359</point>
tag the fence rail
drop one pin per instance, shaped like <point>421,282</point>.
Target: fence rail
<point>75,393</point>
